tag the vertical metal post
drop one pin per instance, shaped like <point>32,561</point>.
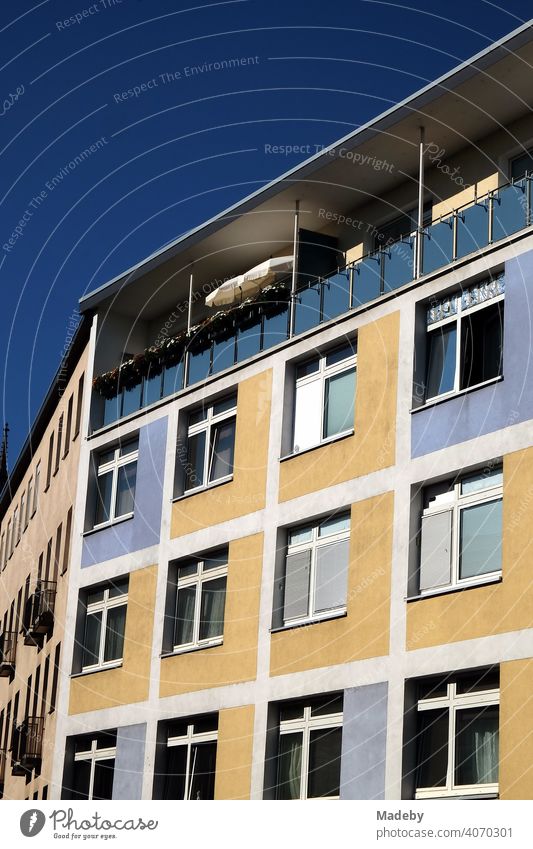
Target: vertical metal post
<point>189,325</point>
<point>420,227</point>
<point>292,306</point>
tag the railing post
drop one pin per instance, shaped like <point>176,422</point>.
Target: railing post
<point>294,282</point>
<point>420,222</point>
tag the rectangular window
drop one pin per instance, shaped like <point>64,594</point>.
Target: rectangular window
<point>9,545</point>
<point>465,339</point>
<point>461,531</point>
<point>210,444</point>
<point>50,461</point>
<point>66,549</point>
<point>55,677</point>
<point>23,511</point>
<point>16,526</point>
<point>324,398</point>
<point>309,749</point>
<point>94,764</point>
<point>457,737</point>
<point>116,473</point>
<point>3,551</point>
<point>37,485</point>
<point>191,759</point>
<point>316,570</point>
<point>68,428</point>
<point>200,601</point>
<point>105,623</point>
<point>58,446</point>
<point>57,552</point>
<point>79,404</point>
<point>29,504</point>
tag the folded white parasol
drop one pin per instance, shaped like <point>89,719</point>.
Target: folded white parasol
<point>250,283</point>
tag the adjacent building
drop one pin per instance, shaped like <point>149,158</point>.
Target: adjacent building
<point>300,559</point>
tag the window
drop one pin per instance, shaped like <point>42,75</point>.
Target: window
<point>210,444</point>
<point>457,737</point>
<point>16,526</point>
<point>191,759</point>
<point>200,602</point>
<point>116,472</point>
<point>105,621</point>
<point>50,460</point>
<point>79,402</point>
<point>324,398</point>
<point>55,677</point>
<point>36,490</point>
<point>309,750</point>
<point>3,551</point>
<point>316,570</point>
<point>23,511</point>
<point>66,549</point>
<point>402,225</point>
<point>29,503</point>
<point>521,165</point>
<point>461,531</point>
<point>58,446</point>
<point>94,764</point>
<point>57,552</point>
<point>9,546</point>
<point>465,339</point>
<point>69,426</point>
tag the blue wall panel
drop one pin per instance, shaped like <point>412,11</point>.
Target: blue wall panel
<point>364,741</point>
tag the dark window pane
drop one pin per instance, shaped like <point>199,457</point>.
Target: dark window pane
<point>82,777</point>
<point>336,294</point>
<point>222,450</point>
<point>398,264</point>
<point>367,279</point>
<point>339,354</point>
<point>175,774</point>
<point>114,637</point>
<point>225,404</point>
<point>206,723</point>
<point>112,408</point>
<point>289,766</point>
<point>202,778</point>
<point>476,752</point>
<point>482,345</point>
<point>441,360</point>
<point>472,229</point>
<point>521,164</point>
<point>327,706</point>
<point>126,478</point>
<point>131,400</point>
<point>103,779</point>
<point>128,447</point>
<point>438,245</point>
<point>118,587</point>
<point>307,309</point>
<point>199,365</point>
<point>432,755</point>
<point>248,342</point>
<point>324,763</point>
<point>194,470</point>
<point>173,379</point>
<point>185,605</point>
<point>485,679</point>
<point>91,640</point>
<point>223,354</point>
<point>152,389</point>
<point>104,484</point>
<point>275,329</point>
<point>212,608</point>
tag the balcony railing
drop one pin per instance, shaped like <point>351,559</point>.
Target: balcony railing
<point>27,744</point>
<point>8,653</point>
<point>489,219</point>
<point>38,618</point>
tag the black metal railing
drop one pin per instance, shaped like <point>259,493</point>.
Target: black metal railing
<point>27,744</point>
<point>38,618</point>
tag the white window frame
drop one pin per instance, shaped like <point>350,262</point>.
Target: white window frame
<point>189,740</point>
<point>456,319</point>
<point>208,424</point>
<point>313,545</point>
<point>198,580</point>
<point>455,502</point>
<point>93,755</point>
<point>321,375</point>
<point>113,465</point>
<point>454,701</point>
<point>304,725</point>
<point>103,606</point>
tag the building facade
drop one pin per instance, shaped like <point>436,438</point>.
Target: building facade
<point>301,533</point>
<point>36,508</point>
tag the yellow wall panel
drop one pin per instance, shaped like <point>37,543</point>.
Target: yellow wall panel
<point>516,729</point>
<point>129,682</point>
<point>236,659</point>
<point>495,608</point>
<point>372,446</point>
<point>364,631</point>
<point>246,492</point>
<point>234,753</point>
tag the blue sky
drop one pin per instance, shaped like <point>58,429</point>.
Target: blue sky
<point>175,140</point>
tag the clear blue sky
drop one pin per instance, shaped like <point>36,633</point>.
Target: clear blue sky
<point>187,145</point>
